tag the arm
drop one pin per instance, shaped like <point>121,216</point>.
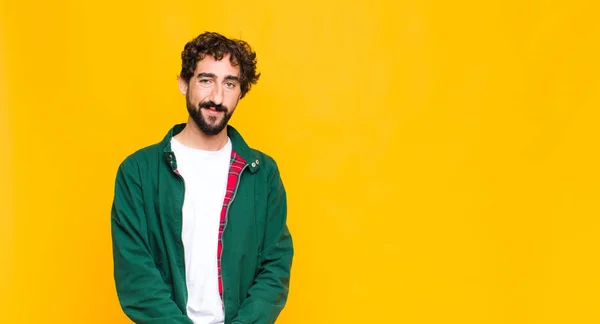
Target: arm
<point>268,295</point>
<point>142,293</point>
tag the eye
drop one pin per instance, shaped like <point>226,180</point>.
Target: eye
<point>205,81</point>
<point>230,85</point>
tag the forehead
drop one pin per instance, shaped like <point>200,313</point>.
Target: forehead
<point>219,68</point>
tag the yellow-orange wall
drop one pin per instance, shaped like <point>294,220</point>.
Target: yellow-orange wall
<point>441,157</point>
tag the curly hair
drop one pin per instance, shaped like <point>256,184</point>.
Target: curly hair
<point>217,45</point>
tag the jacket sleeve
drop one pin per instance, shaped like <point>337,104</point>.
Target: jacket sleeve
<point>142,293</point>
<point>268,295</point>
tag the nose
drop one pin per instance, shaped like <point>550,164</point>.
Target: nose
<point>217,94</point>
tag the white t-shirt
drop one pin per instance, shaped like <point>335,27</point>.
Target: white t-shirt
<point>205,177</point>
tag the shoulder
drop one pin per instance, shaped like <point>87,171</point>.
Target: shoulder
<point>142,158</point>
<point>266,161</point>
<point>269,168</point>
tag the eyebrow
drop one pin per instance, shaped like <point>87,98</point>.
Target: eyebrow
<point>213,76</point>
<point>206,75</point>
<point>232,77</point>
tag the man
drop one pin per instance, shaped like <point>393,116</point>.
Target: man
<point>199,220</point>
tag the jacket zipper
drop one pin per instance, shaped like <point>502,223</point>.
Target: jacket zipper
<point>225,226</point>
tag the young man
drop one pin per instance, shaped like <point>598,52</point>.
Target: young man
<point>199,220</point>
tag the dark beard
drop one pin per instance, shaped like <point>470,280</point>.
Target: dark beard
<point>204,125</point>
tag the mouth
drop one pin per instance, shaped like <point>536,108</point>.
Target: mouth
<point>213,112</point>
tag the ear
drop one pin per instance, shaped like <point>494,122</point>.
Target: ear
<point>183,85</point>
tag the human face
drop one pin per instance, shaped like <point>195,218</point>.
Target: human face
<point>212,93</point>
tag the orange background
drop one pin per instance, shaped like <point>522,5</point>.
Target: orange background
<point>441,157</point>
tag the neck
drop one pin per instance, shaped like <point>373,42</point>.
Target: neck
<point>192,136</point>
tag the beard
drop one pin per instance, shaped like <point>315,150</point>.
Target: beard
<point>208,125</point>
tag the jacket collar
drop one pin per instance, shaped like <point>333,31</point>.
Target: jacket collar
<point>238,144</point>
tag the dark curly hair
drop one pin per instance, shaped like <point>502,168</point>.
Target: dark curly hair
<point>217,45</point>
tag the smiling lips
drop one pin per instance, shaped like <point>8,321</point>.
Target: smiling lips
<point>212,110</point>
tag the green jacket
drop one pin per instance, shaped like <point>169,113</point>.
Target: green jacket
<point>146,220</point>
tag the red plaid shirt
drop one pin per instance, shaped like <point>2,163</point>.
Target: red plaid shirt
<point>235,168</point>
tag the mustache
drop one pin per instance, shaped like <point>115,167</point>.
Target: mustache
<point>209,104</point>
